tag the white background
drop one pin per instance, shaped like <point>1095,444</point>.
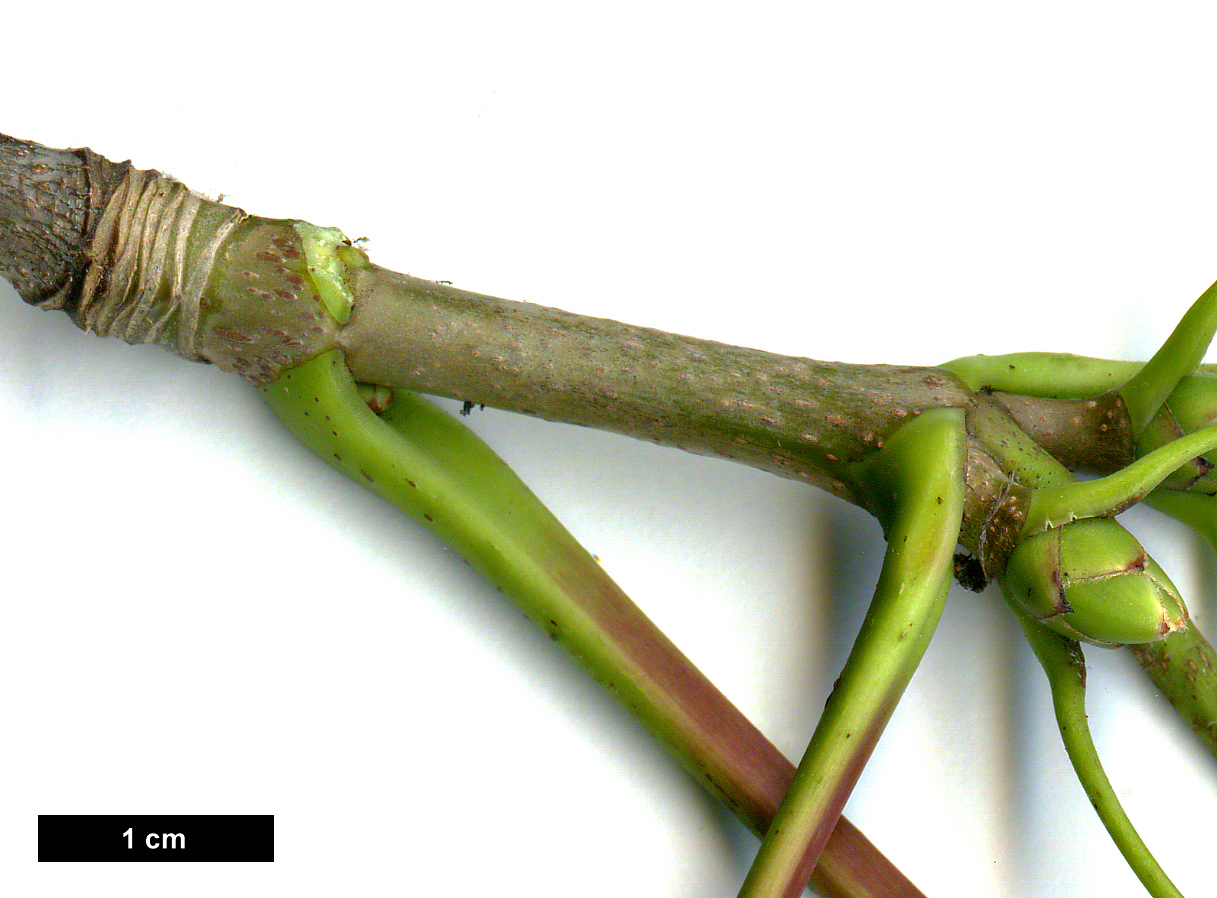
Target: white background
<point>200,618</point>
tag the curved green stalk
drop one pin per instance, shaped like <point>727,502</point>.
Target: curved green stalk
<point>1055,506</point>
<point>1020,456</point>
<point>1065,667</point>
<point>917,492</point>
<point>1089,390</point>
<point>1144,387</point>
<point>431,466</point>
<point>1050,375</point>
<point>1178,357</point>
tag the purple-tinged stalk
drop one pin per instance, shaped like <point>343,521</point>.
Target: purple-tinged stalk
<point>434,468</point>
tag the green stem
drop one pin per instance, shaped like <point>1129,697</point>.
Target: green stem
<point>1178,357</point>
<point>1144,388</point>
<point>432,467</point>
<point>1054,506</point>
<point>917,493</point>
<point>1065,667</point>
<point>1053,375</point>
<point>1181,665</point>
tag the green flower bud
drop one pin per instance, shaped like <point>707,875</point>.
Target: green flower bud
<point>1091,580</point>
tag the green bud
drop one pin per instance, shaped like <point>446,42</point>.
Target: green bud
<point>1091,580</point>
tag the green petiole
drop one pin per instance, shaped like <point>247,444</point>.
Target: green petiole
<point>1065,667</point>
<point>1144,387</point>
<point>1178,357</point>
<point>1181,665</point>
<point>917,492</point>
<point>1058,505</point>
<point>1051,375</point>
<point>431,466</point>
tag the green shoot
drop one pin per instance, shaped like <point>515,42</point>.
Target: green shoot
<point>1178,357</point>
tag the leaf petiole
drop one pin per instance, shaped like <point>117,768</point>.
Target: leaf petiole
<point>431,466</point>
<point>1065,667</point>
<point>917,492</point>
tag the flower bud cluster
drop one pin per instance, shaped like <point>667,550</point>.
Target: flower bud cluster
<point>1091,580</point>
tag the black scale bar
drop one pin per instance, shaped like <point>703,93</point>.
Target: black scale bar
<point>143,838</point>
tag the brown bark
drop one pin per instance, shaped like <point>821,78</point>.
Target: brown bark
<point>49,200</point>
